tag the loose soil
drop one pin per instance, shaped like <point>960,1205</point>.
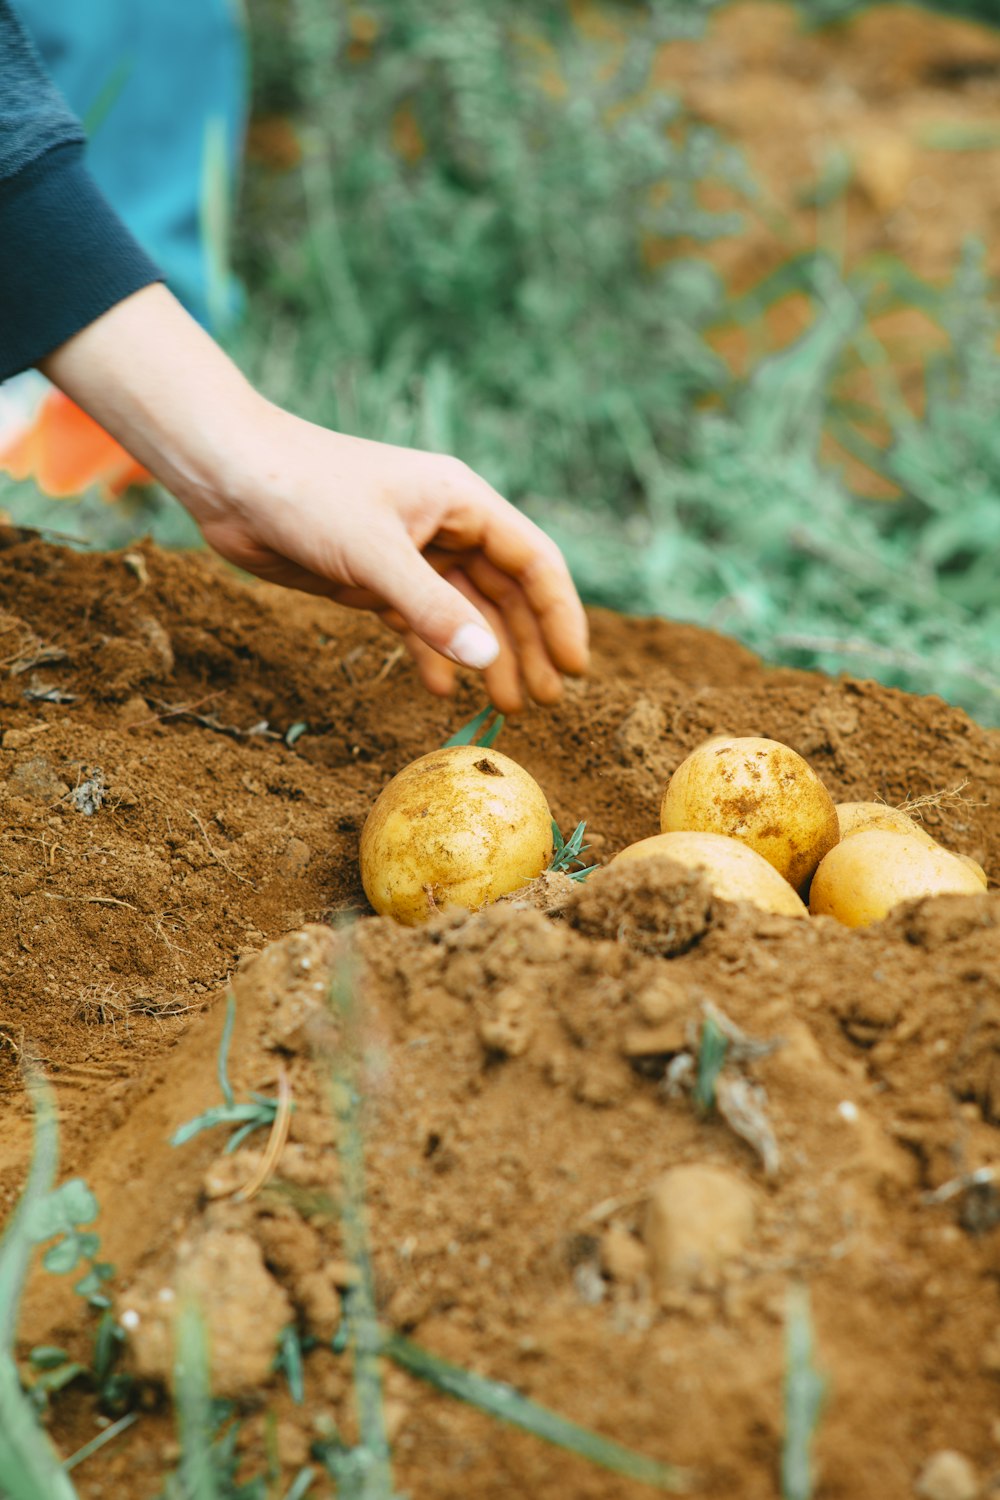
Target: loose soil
<point>520,1069</point>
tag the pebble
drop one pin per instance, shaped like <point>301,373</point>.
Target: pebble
<point>947,1475</point>
<point>697,1219</point>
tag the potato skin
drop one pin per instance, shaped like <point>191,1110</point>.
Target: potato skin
<point>863,817</point>
<point>760,792</point>
<point>460,826</point>
<point>864,877</point>
<point>734,871</point>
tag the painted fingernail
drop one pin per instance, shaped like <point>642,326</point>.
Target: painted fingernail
<point>473,646</point>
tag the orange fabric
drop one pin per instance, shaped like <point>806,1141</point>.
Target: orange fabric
<point>66,452</point>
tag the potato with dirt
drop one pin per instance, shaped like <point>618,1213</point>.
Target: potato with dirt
<point>734,871</point>
<point>760,792</point>
<point>461,826</point>
<point>864,877</point>
<point>864,817</point>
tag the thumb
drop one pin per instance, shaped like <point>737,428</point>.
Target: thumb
<point>432,607</point>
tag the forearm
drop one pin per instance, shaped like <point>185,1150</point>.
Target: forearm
<point>160,384</point>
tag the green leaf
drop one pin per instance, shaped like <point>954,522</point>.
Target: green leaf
<point>47,1356</point>
<point>475,733</point>
<point>711,1056</point>
<point>805,1391</point>
<point>63,1210</point>
<point>508,1405</point>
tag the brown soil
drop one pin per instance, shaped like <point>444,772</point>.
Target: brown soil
<point>517,1110</point>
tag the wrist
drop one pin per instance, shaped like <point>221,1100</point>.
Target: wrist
<point>160,384</point>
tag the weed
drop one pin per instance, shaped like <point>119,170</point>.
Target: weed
<point>478,731</point>
<point>29,1466</point>
<point>255,1113</point>
<point>805,1390</point>
<point>567,852</point>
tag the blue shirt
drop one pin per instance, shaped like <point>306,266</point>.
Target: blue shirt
<point>65,256</point>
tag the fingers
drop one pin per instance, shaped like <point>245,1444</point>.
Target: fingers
<point>478,519</point>
<point>521,626</point>
<point>442,616</point>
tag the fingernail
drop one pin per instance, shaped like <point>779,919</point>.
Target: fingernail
<point>473,646</point>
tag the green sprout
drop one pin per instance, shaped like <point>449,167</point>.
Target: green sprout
<point>805,1389</point>
<point>475,731</point>
<point>568,852</point>
<point>257,1112</point>
<point>711,1056</point>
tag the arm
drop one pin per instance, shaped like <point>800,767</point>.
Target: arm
<point>416,537</point>
<point>65,257</point>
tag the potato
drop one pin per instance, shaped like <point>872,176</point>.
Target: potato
<point>975,867</point>
<point>760,792</point>
<point>865,876</point>
<point>734,872</point>
<point>862,817</point>
<point>459,826</point>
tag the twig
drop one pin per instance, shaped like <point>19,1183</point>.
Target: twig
<point>275,1143</point>
<point>215,853</point>
<point>99,900</point>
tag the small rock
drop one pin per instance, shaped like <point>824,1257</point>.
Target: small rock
<point>947,1475</point>
<point>243,1307</point>
<point>319,1301</point>
<point>20,739</point>
<point>623,1257</point>
<point>697,1218</point>
<point>37,780</point>
<point>294,858</point>
<point>661,1000</point>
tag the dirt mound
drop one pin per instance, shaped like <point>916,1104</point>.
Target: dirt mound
<point>527,1070</point>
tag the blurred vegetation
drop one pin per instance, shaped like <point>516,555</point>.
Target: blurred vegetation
<point>454,254</point>
<point>457,263</point>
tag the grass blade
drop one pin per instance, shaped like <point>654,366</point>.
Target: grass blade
<point>475,732</point>
<point>29,1466</point>
<point>805,1390</point>
<point>508,1405</point>
<point>193,1403</point>
<point>711,1056</point>
<point>96,1443</point>
<point>365,1472</point>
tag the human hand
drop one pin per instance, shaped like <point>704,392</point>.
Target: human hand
<point>416,537</point>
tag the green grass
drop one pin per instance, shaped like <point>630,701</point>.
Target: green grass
<point>488,297</point>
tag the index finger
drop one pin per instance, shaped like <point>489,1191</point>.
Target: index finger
<point>519,548</point>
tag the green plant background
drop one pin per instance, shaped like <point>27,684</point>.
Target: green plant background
<point>488,297</point>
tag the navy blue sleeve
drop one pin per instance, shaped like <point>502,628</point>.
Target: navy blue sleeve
<point>65,256</point>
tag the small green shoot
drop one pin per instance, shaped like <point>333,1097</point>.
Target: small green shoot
<point>365,1471</point>
<point>209,1458</point>
<point>805,1390</point>
<point>29,1466</point>
<point>568,853</point>
<point>257,1112</point>
<point>290,1362</point>
<point>508,1405</point>
<point>295,732</point>
<point>711,1056</point>
<point>475,731</point>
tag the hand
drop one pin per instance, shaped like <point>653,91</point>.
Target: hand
<point>417,537</point>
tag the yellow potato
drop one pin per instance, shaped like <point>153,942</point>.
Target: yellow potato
<point>460,826</point>
<point>734,872</point>
<point>862,817</point>
<point>975,867</point>
<point>760,792</point>
<point>863,878</point>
